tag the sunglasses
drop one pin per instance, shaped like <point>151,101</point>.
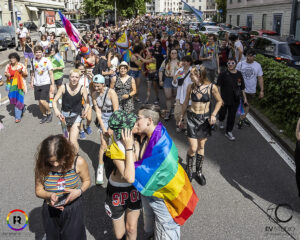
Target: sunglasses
<point>231,63</point>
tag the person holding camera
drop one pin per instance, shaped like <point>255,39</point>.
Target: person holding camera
<point>182,80</point>
<point>232,87</point>
<point>200,118</point>
<point>58,171</point>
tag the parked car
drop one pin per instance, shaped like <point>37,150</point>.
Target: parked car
<point>210,29</point>
<point>80,26</point>
<point>57,28</point>
<point>31,26</point>
<point>7,37</point>
<point>279,49</point>
<point>195,26</point>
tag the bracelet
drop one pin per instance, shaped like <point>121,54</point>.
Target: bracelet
<point>80,191</point>
<point>130,149</point>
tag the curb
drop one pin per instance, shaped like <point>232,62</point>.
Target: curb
<point>286,143</point>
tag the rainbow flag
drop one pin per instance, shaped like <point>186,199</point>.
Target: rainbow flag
<point>160,175</point>
<point>127,55</point>
<point>72,32</point>
<point>16,91</point>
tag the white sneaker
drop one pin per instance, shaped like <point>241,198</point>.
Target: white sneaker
<point>99,179</point>
<point>59,101</point>
<point>50,105</point>
<point>230,136</point>
<point>221,125</point>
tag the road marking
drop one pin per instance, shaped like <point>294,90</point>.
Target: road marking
<point>289,161</point>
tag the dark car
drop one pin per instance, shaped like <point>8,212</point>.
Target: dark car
<point>31,26</point>
<point>7,37</point>
<point>279,49</point>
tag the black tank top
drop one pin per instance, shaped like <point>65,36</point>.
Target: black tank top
<point>71,103</point>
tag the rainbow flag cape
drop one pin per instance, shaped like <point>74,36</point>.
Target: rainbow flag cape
<point>72,32</point>
<point>16,91</point>
<point>123,41</point>
<point>160,175</point>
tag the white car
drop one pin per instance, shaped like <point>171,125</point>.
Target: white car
<point>58,29</point>
<point>210,29</point>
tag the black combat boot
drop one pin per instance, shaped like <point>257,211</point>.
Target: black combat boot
<point>189,166</point>
<point>200,177</point>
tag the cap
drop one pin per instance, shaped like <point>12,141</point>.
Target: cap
<point>85,51</point>
<point>98,79</point>
<point>21,24</point>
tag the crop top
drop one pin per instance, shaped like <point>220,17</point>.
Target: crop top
<point>204,94</point>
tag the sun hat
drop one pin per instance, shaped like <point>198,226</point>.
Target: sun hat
<point>123,63</point>
<point>120,120</point>
<point>98,79</point>
<point>85,51</point>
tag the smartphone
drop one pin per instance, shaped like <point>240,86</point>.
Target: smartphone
<point>61,200</point>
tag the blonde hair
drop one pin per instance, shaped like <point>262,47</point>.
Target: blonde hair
<point>74,70</point>
<point>201,72</point>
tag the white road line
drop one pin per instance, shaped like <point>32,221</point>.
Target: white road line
<point>289,161</point>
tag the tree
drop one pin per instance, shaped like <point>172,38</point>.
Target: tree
<point>222,5</point>
<point>97,8</point>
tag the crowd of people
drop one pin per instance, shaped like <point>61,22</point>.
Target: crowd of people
<point>202,82</point>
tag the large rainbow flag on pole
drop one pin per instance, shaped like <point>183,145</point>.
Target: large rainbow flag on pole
<point>160,175</point>
<point>123,41</point>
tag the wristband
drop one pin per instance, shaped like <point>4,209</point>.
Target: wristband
<point>80,191</point>
<point>130,149</point>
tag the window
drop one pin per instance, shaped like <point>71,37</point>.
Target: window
<point>230,1</point>
<point>264,21</point>
<point>229,19</point>
<point>200,0</point>
<point>200,8</point>
<point>239,1</point>
<point>1,23</point>
<point>193,0</point>
<point>238,20</point>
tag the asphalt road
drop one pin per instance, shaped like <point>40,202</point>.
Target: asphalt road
<point>246,180</point>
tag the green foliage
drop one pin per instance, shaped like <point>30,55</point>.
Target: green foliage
<point>222,5</point>
<point>97,8</point>
<point>281,102</point>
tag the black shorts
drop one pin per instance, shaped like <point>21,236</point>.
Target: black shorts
<point>118,199</point>
<point>250,97</point>
<point>59,82</point>
<point>153,77</point>
<point>42,92</point>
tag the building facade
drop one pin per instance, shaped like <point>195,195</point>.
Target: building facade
<point>163,6</point>
<point>37,11</point>
<point>208,7</point>
<point>261,14</point>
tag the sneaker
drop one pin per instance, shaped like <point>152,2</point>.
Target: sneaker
<point>230,136</point>
<point>168,116</point>
<point>99,179</point>
<point>221,125</point>
<point>246,122</point>
<point>178,130</point>
<point>18,120</point>
<point>240,123</point>
<point>50,105</point>
<point>44,119</point>
<point>59,101</point>
<point>88,130</point>
<point>82,135</point>
<point>49,117</point>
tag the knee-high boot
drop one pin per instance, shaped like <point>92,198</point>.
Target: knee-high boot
<point>199,163</point>
<point>189,166</point>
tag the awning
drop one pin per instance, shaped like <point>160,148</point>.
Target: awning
<point>33,9</point>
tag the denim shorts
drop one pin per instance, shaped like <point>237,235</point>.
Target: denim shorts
<point>105,118</point>
<point>67,114</point>
<point>168,82</point>
<point>28,55</point>
<point>134,73</point>
<point>158,220</point>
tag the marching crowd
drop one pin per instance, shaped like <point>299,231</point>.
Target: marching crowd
<point>202,81</point>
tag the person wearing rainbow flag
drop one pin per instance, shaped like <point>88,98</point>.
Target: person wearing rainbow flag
<point>168,198</point>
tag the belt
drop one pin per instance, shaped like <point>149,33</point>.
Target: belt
<point>107,111</point>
